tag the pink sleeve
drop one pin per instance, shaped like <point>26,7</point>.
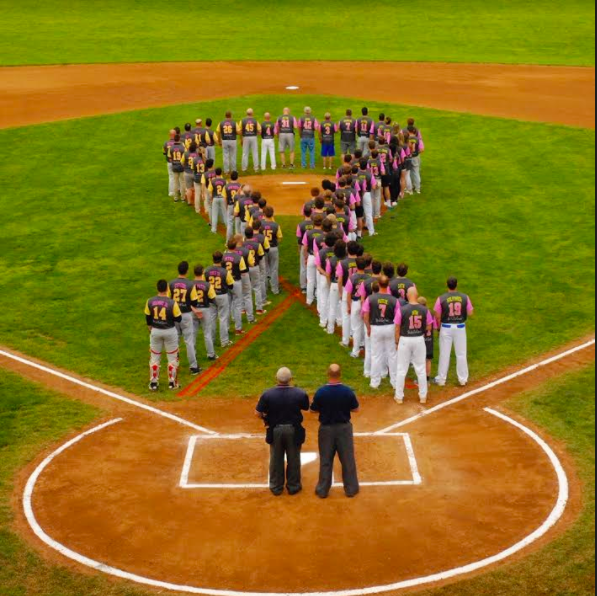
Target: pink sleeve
<point>337,127</point>
<point>435,325</point>
<point>328,268</point>
<point>317,125</point>
<point>372,131</point>
<point>430,319</point>
<point>306,241</point>
<point>298,232</point>
<point>470,308</point>
<point>354,199</point>
<point>276,128</point>
<point>421,145</point>
<point>318,259</point>
<point>374,182</point>
<point>346,239</point>
<point>398,317</point>
<point>315,249</point>
<point>339,271</point>
<point>438,307</point>
<point>362,292</point>
<point>338,176</point>
<point>295,123</point>
<point>349,287</point>
<point>366,307</point>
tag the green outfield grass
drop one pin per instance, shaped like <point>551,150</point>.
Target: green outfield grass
<point>87,229</point>
<point>502,31</point>
<point>32,419</point>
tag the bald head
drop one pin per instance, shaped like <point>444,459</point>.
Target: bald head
<point>286,111</point>
<point>328,116</point>
<point>307,111</point>
<point>268,116</point>
<point>249,112</point>
<point>413,295</point>
<point>172,133</point>
<point>284,376</point>
<point>335,372</point>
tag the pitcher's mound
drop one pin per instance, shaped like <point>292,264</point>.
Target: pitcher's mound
<point>286,191</point>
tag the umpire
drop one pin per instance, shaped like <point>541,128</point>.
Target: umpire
<point>335,403</point>
<point>282,410</point>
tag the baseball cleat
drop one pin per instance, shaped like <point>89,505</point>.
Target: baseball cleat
<point>261,312</point>
<point>423,401</point>
<point>153,387</point>
<point>400,402</point>
<point>195,371</point>
<point>213,358</point>
<point>239,333</point>
<point>173,386</point>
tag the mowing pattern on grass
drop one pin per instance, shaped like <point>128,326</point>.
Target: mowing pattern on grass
<point>503,31</point>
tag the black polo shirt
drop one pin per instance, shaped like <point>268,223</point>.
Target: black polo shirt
<point>335,403</point>
<point>283,405</point>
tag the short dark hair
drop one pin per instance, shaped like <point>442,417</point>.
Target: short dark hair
<point>360,251</point>
<point>177,138</point>
<point>219,171</point>
<point>162,286</point>
<point>209,122</point>
<point>349,112</point>
<point>330,240</point>
<point>183,268</point>
<point>249,233</point>
<point>319,203</point>
<point>262,204</point>
<point>326,184</point>
<point>452,283</point>
<point>375,287</point>
<point>268,212</point>
<point>358,154</point>
<point>377,267</point>
<point>361,264</point>
<point>256,225</point>
<point>199,270</point>
<point>389,270</point>
<point>177,130</point>
<point>384,282</point>
<point>339,203</point>
<point>209,164</point>
<point>234,176</point>
<point>382,117</point>
<point>188,127</point>
<point>411,121</point>
<point>217,257</point>
<point>193,147</point>
<point>365,111</point>
<point>318,220</point>
<point>340,249</point>
<point>315,192</point>
<point>348,159</point>
<point>308,211</point>
<point>331,210</point>
<point>363,164</point>
<point>228,114</point>
<point>231,244</point>
<point>402,269</point>
<point>328,226</point>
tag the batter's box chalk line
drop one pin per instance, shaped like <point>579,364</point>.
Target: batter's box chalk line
<point>196,441</point>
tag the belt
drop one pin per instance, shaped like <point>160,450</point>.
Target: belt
<point>449,326</point>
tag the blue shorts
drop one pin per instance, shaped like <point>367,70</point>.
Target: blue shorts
<point>328,150</point>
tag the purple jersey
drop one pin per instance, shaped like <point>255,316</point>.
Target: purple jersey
<point>286,125</point>
<point>232,191</point>
<point>227,130</point>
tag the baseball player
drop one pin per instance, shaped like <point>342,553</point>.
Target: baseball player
<point>429,339</point>
<point>301,231</point>
<point>401,285</point>
<point>327,137</point>
<point>166,149</point>
<point>453,310</point>
<point>285,129</point>
<point>223,284</point>
<point>322,256</point>
<point>273,232</point>
<point>333,279</point>
<point>367,184</point>
<point>246,253</point>
<point>217,192</point>
<point>308,127</point>
<point>250,130</point>
<point>365,128</point>
<point>198,166</point>
<point>268,142</point>
<point>243,199</point>
<point>198,134</point>
<point>162,314</point>
<point>206,311</point>
<point>414,322</point>
<point>226,136</point>
<point>235,264</point>
<point>365,291</point>
<point>187,135</point>
<point>176,154</point>
<point>232,190</point>
<point>354,304</point>
<point>182,291</point>
<point>385,156</point>
<point>309,256</point>
<point>378,127</point>
<point>189,173</point>
<point>375,167</point>
<point>209,140</point>
<point>256,255</point>
<point>348,134</point>
<point>380,313</point>
<point>208,175</point>
<point>417,147</point>
<point>347,267</point>
<point>264,242</point>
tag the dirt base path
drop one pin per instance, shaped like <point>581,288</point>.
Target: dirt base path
<point>564,95</point>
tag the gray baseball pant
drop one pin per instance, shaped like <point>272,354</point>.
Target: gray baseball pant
<point>257,287</point>
<point>163,340</point>
<point>229,222</point>
<point>248,297</point>
<point>415,174</point>
<point>186,331</point>
<point>229,149</point>
<point>236,300</point>
<point>221,311</point>
<point>210,153</point>
<point>179,186</point>
<point>363,145</point>
<point>206,324</point>
<point>303,274</point>
<point>263,270</point>
<point>170,180</point>
<point>250,148</point>
<point>273,269</point>
<point>218,208</point>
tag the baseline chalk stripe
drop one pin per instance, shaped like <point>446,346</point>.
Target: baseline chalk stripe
<point>486,388</point>
<point>550,522</point>
<point>294,184</point>
<point>126,400</point>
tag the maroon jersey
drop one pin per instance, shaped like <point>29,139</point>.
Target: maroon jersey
<point>348,130</point>
<point>167,146</point>
<point>218,278</point>
<point>400,286</point>
<point>286,125</point>
<point>176,155</point>
<point>268,130</point>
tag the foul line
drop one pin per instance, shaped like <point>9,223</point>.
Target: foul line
<point>486,388</point>
<point>126,400</point>
<point>550,522</point>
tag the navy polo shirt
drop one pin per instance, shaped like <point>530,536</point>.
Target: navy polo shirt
<point>283,405</point>
<point>335,403</point>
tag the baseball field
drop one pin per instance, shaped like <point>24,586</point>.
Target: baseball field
<point>108,488</point>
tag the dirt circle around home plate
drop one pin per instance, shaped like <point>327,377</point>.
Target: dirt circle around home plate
<point>173,505</point>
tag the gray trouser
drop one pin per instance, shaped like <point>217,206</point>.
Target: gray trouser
<point>170,180</point>
<point>303,271</point>
<point>210,153</point>
<point>337,439</point>
<point>248,297</point>
<point>236,300</point>
<point>222,311</point>
<point>229,149</point>
<point>257,287</point>
<point>229,222</point>
<point>250,147</point>
<point>285,445</point>
<point>189,181</point>
<point>163,340</point>
<point>348,147</point>
<point>218,209</point>
<point>207,325</point>
<point>273,269</point>
<point>186,330</point>
<point>415,174</point>
<point>263,270</point>
<point>363,145</point>
<point>179,185</point>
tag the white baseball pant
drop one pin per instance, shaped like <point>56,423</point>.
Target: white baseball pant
<point>312,279</point>
<point>453,335</point>
<point>383,354</point>
<point>333,307</point>
<point>170,180</point>
<point>368,207</point>
<point>303,271</point>
<point>358,329</point>
<point>346,322</point>
<point>268,147</point>
<point>323,296</point>
<point>163,340</point>
<point>368,355</point>
<point>412,350</point>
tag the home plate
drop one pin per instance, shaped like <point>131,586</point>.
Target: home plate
<point>308,458</point>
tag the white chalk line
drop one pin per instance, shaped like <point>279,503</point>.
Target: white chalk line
<point>185,483</point>
<point>550,522</point>
<point>487,387</point>
<point>107,393</point>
